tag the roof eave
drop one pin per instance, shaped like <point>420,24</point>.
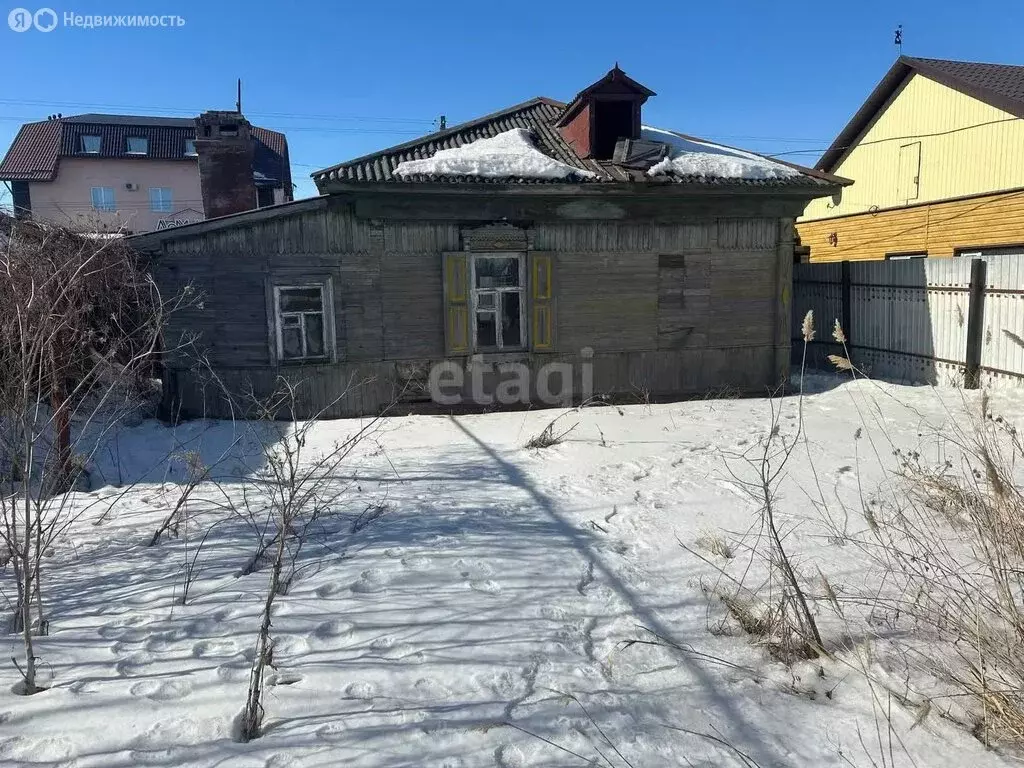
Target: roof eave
<point>879,95</point>
<point>660,186</point>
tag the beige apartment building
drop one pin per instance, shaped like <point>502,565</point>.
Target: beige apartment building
<point>109,173</point>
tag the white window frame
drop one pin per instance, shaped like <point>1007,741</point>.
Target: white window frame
<point>193,152</point>
<point>327,324</point>
<point>81,144</point>
<point>499,298</point>
<point>161,203</point>
<point>135,152</point>
<point>104,205</point>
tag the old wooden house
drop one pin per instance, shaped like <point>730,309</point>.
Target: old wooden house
<point>638,261</point>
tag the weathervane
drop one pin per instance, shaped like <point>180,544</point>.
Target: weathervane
<point>898,40</point>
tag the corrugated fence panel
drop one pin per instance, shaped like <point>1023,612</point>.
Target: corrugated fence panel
<point>1002,349</point>
<point>908,318</point>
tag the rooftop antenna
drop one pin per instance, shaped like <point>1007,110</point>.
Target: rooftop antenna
<point>898,38</point>
<point>238,104</point>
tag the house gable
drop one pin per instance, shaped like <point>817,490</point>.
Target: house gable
<point>927,142</point>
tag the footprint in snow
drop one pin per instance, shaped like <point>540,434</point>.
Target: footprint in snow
<point>370,582</point>
<point>487,587</point>
<point>385,643</point>
<point>165,641</point>
<point>329,590</point>
<point>125,630</point>
<point>178,731</point>
<point>361,691</point>
<point>23,750</point>
<point>210,626</point>
<point>509,756</point>
<point>280,761</point>
<point>214,649</point>
<point>290,645</point>
<point>234,672</point>
<point>416,562</point>
<point>478,569</point>
<point>394,552</point>
<point>428,688</point>
<point>332,731</point>
<point>284,677</point>
<point>167,690</point>
<point>134,664</point>
<point>335,629</point>
<point>79,687</point>
<point>166,756</point>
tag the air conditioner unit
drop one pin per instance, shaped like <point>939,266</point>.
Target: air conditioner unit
<point>131,186</point>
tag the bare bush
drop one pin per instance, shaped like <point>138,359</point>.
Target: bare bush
<point>777,611</point>
<point>951,546</point>
<point>80,335</point>
<point>296,488</point>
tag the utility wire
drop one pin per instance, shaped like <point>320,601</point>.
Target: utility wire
<point>178,110</point>
<point>901,138</point>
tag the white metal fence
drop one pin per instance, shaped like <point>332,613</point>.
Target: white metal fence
<point>935,321</point>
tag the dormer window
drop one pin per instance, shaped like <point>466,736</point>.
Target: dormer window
<point>190,148</point>
<point>138,145</point>
<point>613,120</point>
<point>89,145</point>
<point>604,113</point>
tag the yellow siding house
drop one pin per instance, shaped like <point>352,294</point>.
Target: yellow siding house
<point>936,155</point>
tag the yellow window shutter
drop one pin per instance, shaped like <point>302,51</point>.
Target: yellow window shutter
<point>542,301</point>
<point>456,303</point>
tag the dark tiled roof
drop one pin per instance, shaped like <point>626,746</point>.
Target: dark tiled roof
<point>38,147</point>
<point>1001,85</point>
<point>33,155</point>
<point>539,116</point>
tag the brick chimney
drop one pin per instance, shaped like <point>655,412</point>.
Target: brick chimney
<point>602,114</point>
<point>225,149</point>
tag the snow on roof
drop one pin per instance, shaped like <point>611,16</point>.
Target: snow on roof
<point>511,154</point>
<point>699,158</point>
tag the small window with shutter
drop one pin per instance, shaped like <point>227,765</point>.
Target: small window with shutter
<point>498,302</point>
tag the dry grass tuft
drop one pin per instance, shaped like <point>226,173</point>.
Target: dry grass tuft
<point>715,544</point>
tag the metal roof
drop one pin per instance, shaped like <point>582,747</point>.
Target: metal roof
<point>539,116</point>
<point>1001,85</point>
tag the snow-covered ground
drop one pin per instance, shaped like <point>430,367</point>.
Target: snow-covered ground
<point>498,580</point>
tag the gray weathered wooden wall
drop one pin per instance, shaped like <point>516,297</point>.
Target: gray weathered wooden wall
<point>667,308</point>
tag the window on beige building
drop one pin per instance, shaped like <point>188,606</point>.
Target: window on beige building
<point>103,199</point>
<point>161,199</point>
<point>90,145</point>
<point>138,145</point>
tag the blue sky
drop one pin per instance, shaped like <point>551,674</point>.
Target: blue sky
<point>343,78</point>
